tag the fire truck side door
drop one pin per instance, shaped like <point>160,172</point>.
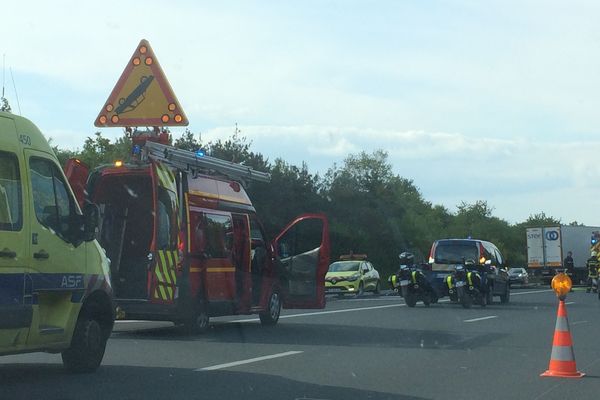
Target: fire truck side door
<point>302,259</point>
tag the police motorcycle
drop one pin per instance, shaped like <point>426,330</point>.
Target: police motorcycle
<point>466,285</point>
<point>412,284</point>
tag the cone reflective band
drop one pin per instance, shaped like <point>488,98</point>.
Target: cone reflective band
<point>561,284</point>
<point>562,360</point>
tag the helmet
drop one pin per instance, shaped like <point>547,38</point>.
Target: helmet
<point>594,253</point>
<point>406,258</point>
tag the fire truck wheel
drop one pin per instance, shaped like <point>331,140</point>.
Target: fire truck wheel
<point>87,346</point>
<point>271,315</point>
<point>198,323</point>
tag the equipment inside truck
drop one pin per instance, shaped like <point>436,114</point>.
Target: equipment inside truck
<point>126,230</point>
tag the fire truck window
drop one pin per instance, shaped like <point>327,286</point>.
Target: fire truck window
<point>11,205</point>
<point>219,235</point>
<point>54,207</point>
<point>255,231</point>
<point>166,237</point>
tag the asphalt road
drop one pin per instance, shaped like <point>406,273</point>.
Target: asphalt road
<point>368,348</point>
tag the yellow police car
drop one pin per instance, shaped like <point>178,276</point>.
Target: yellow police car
<point>352,274</point>
<point>55,292</point>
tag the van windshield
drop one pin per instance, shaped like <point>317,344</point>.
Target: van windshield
<point>455,253</point>
<point>344,266</point>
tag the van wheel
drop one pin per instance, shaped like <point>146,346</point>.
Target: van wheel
<point>198,323</point>
<point>271,315</point>
<point>87,346</point>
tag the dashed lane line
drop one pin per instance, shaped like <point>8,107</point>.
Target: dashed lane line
<point>248,361</point>
<point>481,319</point>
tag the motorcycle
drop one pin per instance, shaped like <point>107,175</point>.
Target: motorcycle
<point>467,286</point>
<point>413,286</point>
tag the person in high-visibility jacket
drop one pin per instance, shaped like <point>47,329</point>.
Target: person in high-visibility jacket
<point>593,266</point>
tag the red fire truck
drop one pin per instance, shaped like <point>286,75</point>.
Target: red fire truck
<point>185,242</point>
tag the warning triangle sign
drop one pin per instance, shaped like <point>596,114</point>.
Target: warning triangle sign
<point>142,95</point>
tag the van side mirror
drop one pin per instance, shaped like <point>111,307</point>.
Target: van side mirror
<point>91,218</point>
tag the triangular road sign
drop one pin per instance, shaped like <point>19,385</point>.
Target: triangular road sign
<point>142,95</point>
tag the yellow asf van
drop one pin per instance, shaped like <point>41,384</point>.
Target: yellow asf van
<point>55,291</point>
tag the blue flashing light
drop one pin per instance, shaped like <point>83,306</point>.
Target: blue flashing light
<point>137,149</point>
<point>200,153</point>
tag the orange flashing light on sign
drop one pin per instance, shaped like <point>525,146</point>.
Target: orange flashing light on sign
<point>561,284</point>
<point>148,60</point>
<point>165,118</point>
<point>118,163</point>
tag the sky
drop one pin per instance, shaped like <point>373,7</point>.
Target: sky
<point>472,100</point>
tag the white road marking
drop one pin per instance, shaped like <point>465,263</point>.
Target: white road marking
<point>533,291</point>
<point>323,312</point>
<point>578,322</point>
<point>248,361</point>
<point>480,319</point>
<point>570,302</point>
<point>129,321</point>
<point>356,309</point>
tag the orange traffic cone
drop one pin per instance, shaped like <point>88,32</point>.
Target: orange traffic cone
<point>562,360</point>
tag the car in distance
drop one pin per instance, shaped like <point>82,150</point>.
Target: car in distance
<point>518,275</point>
<point>352,274</point>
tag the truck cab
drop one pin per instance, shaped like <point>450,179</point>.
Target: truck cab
<point>55,291</point>
<point>186,244</point>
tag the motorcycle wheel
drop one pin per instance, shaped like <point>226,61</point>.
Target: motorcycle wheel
<point>466,300</point>
<point>410,299</point>
<point>426,299</point>
<point>481,299</point>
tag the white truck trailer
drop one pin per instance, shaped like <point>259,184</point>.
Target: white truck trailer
<point>548,247</point>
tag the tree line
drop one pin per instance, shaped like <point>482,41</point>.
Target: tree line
<point>370,209</point>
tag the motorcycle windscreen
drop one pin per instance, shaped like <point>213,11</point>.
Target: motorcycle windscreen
<point>302,258</point>
<point>77,175</point>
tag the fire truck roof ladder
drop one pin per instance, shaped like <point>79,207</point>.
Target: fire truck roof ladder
<point>191,162</point>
